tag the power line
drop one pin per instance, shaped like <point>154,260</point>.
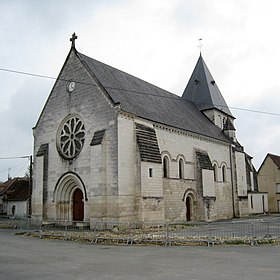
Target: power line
<point>12,167</point>
<point>255,111</point>
<point>135,91</point>
<point>15,157</point>
<point>26,73</point>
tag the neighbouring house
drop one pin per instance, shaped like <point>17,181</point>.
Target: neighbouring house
<point>269,181</point>
<point>15,195</point>
<point>257,201</point>
<point>110,146</point>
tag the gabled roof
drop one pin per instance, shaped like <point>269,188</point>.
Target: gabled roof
<point>150,102</point>
<point>17,189</point>
<point>5,186</point>
<point>275,159</point>
<point>203,90</point>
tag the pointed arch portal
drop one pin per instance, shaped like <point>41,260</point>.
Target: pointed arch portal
<point>69,196</point>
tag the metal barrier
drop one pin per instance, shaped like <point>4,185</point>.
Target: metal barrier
<point>252,232</point>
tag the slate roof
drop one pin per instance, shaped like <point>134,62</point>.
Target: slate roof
<point>150,102</point>
<point>148,144</point>
<point>204,160</point>
<point>97,137</point>
<point>42,150</point>
<point>229,125</point>
<point>203,90</point>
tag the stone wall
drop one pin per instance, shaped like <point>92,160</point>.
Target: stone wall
<point>97,112</point>
<point>176,145</point>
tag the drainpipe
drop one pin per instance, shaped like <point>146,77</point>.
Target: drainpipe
<point>232,179</point>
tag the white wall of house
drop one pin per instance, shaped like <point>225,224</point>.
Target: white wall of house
<point>3,206</point>
<point>258,203</point>
<point>20,208</point>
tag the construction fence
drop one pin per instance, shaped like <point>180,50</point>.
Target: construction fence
<point>176,233</point>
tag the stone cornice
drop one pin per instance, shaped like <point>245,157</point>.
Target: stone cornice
<point>190,134</point>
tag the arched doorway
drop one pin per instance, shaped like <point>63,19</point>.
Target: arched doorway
<point>78,205</point>
<point>188,208</point>
<point>70,198</point>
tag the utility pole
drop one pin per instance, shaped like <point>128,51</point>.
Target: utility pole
<point>30,186</point>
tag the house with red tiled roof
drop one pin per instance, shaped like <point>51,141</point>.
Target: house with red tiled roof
<point>269,181</point>
<point>15,197</point>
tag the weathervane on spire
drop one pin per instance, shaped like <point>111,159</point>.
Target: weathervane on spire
<point>200,44</point>
<point>72,39</point>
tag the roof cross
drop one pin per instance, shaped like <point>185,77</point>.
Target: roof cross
<point>200,44</point>
<point>73,38</point>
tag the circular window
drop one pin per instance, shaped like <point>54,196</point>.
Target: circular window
<point>70,86</point>
<point>71,137</point>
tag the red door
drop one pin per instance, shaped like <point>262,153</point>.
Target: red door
<point>78,206</point>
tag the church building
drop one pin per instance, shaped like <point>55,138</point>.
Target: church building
<point>110,146</point>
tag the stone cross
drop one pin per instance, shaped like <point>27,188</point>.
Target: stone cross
<point>73,38</point>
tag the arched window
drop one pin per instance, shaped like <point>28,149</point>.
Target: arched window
<point>224,175</point>
<point>181,168</point>
<point>165,167</point>
<point>215,172</point>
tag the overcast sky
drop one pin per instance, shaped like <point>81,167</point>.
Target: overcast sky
<point>155,40</point>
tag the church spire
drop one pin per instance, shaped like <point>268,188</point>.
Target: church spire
<point>203,90</point>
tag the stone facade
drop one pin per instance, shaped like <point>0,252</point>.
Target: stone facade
<point>97,179</point>
<point>129,167</point>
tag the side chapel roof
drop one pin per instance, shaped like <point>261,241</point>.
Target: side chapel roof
<point>203,90</point>
<point>150,102</point>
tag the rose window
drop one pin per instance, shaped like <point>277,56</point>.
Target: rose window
<point>71,137</point>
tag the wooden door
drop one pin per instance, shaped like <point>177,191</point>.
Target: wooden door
<point>78,206</point>
<point>188,209</point>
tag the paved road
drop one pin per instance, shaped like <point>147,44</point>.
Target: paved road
<point>28,258</point>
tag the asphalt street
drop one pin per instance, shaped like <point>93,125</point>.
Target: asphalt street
<point>30,258</point>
